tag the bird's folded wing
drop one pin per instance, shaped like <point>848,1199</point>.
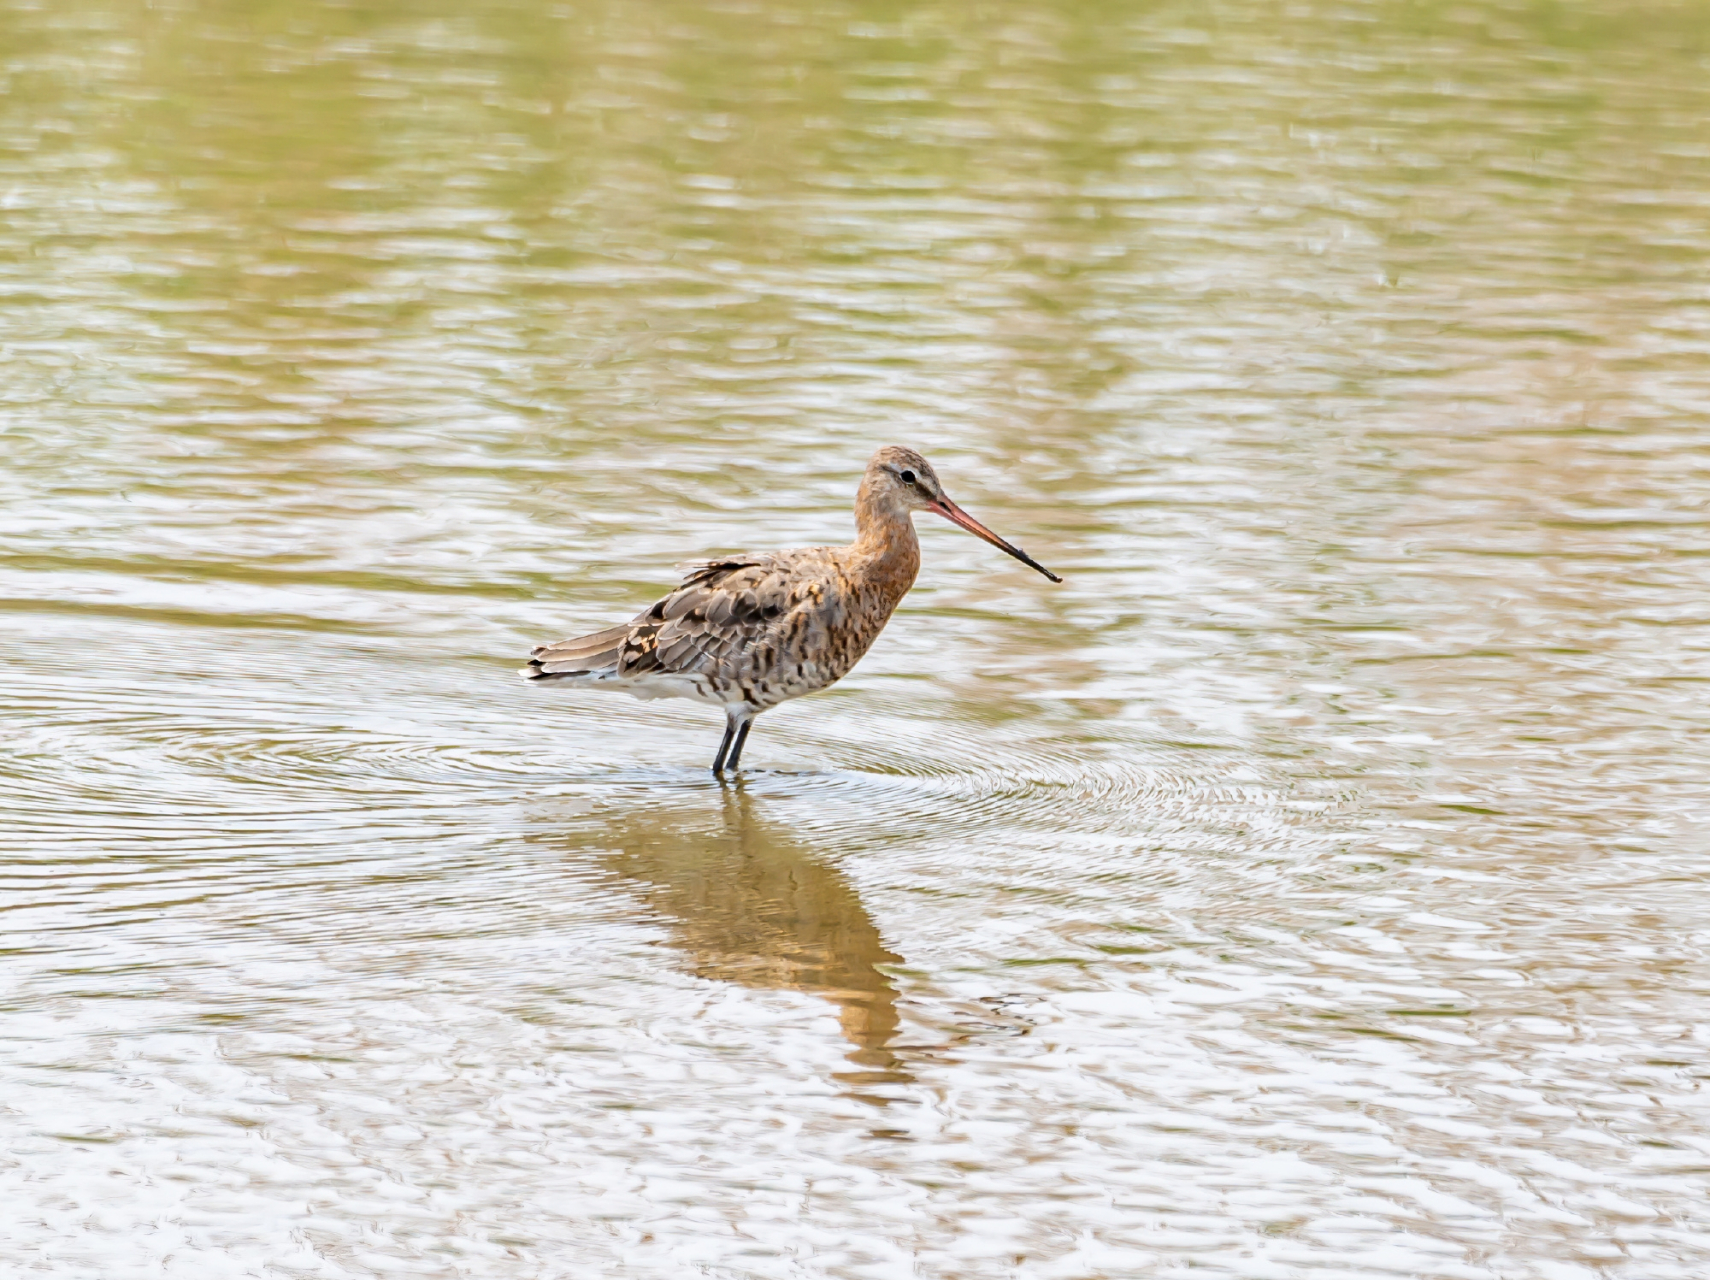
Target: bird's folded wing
<point>728,620</point>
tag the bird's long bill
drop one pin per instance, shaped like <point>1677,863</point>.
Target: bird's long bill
<point>951,512</point>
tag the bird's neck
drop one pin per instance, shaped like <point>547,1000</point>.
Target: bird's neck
<point>885,549</point>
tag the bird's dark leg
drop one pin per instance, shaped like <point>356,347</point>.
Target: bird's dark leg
<point>736,747</point>
<point>724,747</point>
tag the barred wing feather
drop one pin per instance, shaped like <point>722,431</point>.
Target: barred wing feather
<point>740,625</point>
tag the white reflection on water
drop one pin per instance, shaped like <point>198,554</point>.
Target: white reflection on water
<point>1311,886</point>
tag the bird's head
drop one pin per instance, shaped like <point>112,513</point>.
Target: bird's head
<point>901,480</point>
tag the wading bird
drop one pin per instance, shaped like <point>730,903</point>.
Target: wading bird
<point>748,632</point>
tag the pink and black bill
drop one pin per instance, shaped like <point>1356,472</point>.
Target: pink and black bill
<point>955,515</point>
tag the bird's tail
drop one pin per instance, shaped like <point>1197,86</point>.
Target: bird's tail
<point>584,656</point>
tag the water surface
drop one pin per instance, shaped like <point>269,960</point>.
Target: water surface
<point>1311,886</point>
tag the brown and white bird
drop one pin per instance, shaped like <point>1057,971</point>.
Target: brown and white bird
<point>747,632</point>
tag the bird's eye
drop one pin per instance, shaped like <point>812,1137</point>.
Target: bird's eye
<point>908,477</point>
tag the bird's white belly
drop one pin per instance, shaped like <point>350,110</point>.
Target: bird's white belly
<point>652,685</point>
<point>704,688</point>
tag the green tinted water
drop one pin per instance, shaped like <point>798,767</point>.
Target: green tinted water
<point>1311,886</point>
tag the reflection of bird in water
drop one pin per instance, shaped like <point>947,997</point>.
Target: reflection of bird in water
<point>749,904</point>
<point>748,632</point>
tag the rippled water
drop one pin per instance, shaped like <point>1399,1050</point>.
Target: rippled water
<point>1311,886</point>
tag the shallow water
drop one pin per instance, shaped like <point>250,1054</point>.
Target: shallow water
<point>1311,886</point>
